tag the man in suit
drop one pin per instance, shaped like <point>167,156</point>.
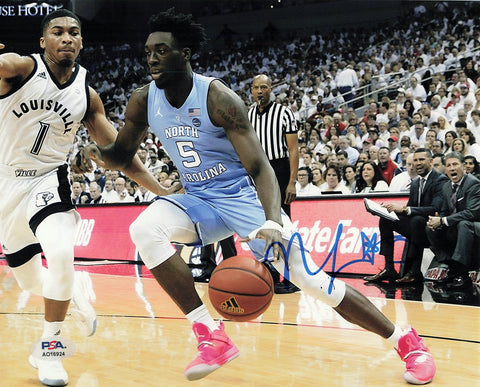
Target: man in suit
<point>453,234</point>
<point>425,199</point>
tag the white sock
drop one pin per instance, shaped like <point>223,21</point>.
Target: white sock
<point>397,333</point>
<point>53,328</point>
<point>201,315</point>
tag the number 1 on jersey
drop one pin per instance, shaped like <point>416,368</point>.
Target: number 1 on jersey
<point>42,133</point>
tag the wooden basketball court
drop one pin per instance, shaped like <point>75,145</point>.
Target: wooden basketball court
<point>143,340</point>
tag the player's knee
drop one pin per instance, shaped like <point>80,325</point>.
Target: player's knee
<point>153,243</point>
<point>141,235</point>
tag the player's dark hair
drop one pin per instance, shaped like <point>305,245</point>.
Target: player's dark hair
<point>186,32</point>
<point>55,14</point>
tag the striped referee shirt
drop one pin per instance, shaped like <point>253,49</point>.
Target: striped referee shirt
<point>271,126</point>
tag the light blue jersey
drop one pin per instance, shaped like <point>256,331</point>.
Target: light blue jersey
<point>220,197</point>
<point>200,150</point>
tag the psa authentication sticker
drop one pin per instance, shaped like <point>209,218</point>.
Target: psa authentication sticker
<point>53,348</point>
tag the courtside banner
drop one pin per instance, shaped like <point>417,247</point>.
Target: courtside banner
<point>103,232</point>
<point>340,234</point>
<point>338,231</point>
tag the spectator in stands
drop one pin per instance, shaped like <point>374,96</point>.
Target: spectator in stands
<point>416,88</point>
<point>449,137</point>
<point>472,166</point>
<point>307,159</point>
<point>404,128</point>
<point>435,105</point>
<point>333,181</point>
<point>402,165</point>
<point>347,82</point>
<point>418,133</point>
<point>408,108</point>
<point>437,162</point>
<point>430,138</point>
<point>345,145</point>
<point>385,164</point>
<point>143,195</point>
<point>370,179</point>
<point>349,175</point>
<point>452,233</point>
<point>109,193</point>
<point>476,105</point>
<point>459,146</point>
<point>154,164</point>
<point>99,178</point>
<point>475,123</point>
<point>342,158</point>
<point>373,153</point>
<point>322,156</point>
<point>416,104</point>
<point>373,134</point>
<point>402,181</point>
<point>472,147</point>
<point>142,154</point>
<point>121,190</point>
<point>95,194</point>
<point>394,149</point>
<point>362,157</point>
<point>79,195</point>
<point>383,132</point>
<point>424,200</point>
<point>437,147</point>
<point>453,105</point>
<point>304,184</point>
<point>444,127</point>
<point>314,142</point>
<point>317,176</point>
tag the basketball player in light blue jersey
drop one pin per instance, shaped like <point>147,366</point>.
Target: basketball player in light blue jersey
<point>205,129</point>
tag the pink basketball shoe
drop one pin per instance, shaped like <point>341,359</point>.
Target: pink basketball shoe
<point>214,350</point>
<point>419,361</point>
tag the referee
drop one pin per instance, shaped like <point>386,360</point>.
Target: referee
<point>276,128</point>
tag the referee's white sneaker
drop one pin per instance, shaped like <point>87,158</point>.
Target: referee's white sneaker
<point>50,372</point>
<point>80,308</point>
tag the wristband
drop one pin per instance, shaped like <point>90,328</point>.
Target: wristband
<point>269,224</point>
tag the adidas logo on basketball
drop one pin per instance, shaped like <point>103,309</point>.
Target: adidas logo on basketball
<point>231,306</point>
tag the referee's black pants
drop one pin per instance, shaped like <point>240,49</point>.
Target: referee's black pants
<point>281,167</point>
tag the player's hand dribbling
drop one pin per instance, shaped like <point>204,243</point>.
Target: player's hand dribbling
<point>273,240</point>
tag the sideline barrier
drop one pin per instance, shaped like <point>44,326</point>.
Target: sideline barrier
<point>340,234</point>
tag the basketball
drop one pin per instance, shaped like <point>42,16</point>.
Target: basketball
<point>240,288</point>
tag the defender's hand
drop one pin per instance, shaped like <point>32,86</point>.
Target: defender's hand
<point>83,159</point>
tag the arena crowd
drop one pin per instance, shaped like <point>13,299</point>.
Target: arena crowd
<point>363,98</point>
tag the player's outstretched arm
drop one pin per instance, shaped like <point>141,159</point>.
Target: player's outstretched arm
<point>107,153</point>
<point>12,66</point>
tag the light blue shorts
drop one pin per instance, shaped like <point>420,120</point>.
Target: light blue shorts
<point>221,212</point>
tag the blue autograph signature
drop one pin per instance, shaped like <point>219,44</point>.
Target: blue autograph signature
<point>370,246</point>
